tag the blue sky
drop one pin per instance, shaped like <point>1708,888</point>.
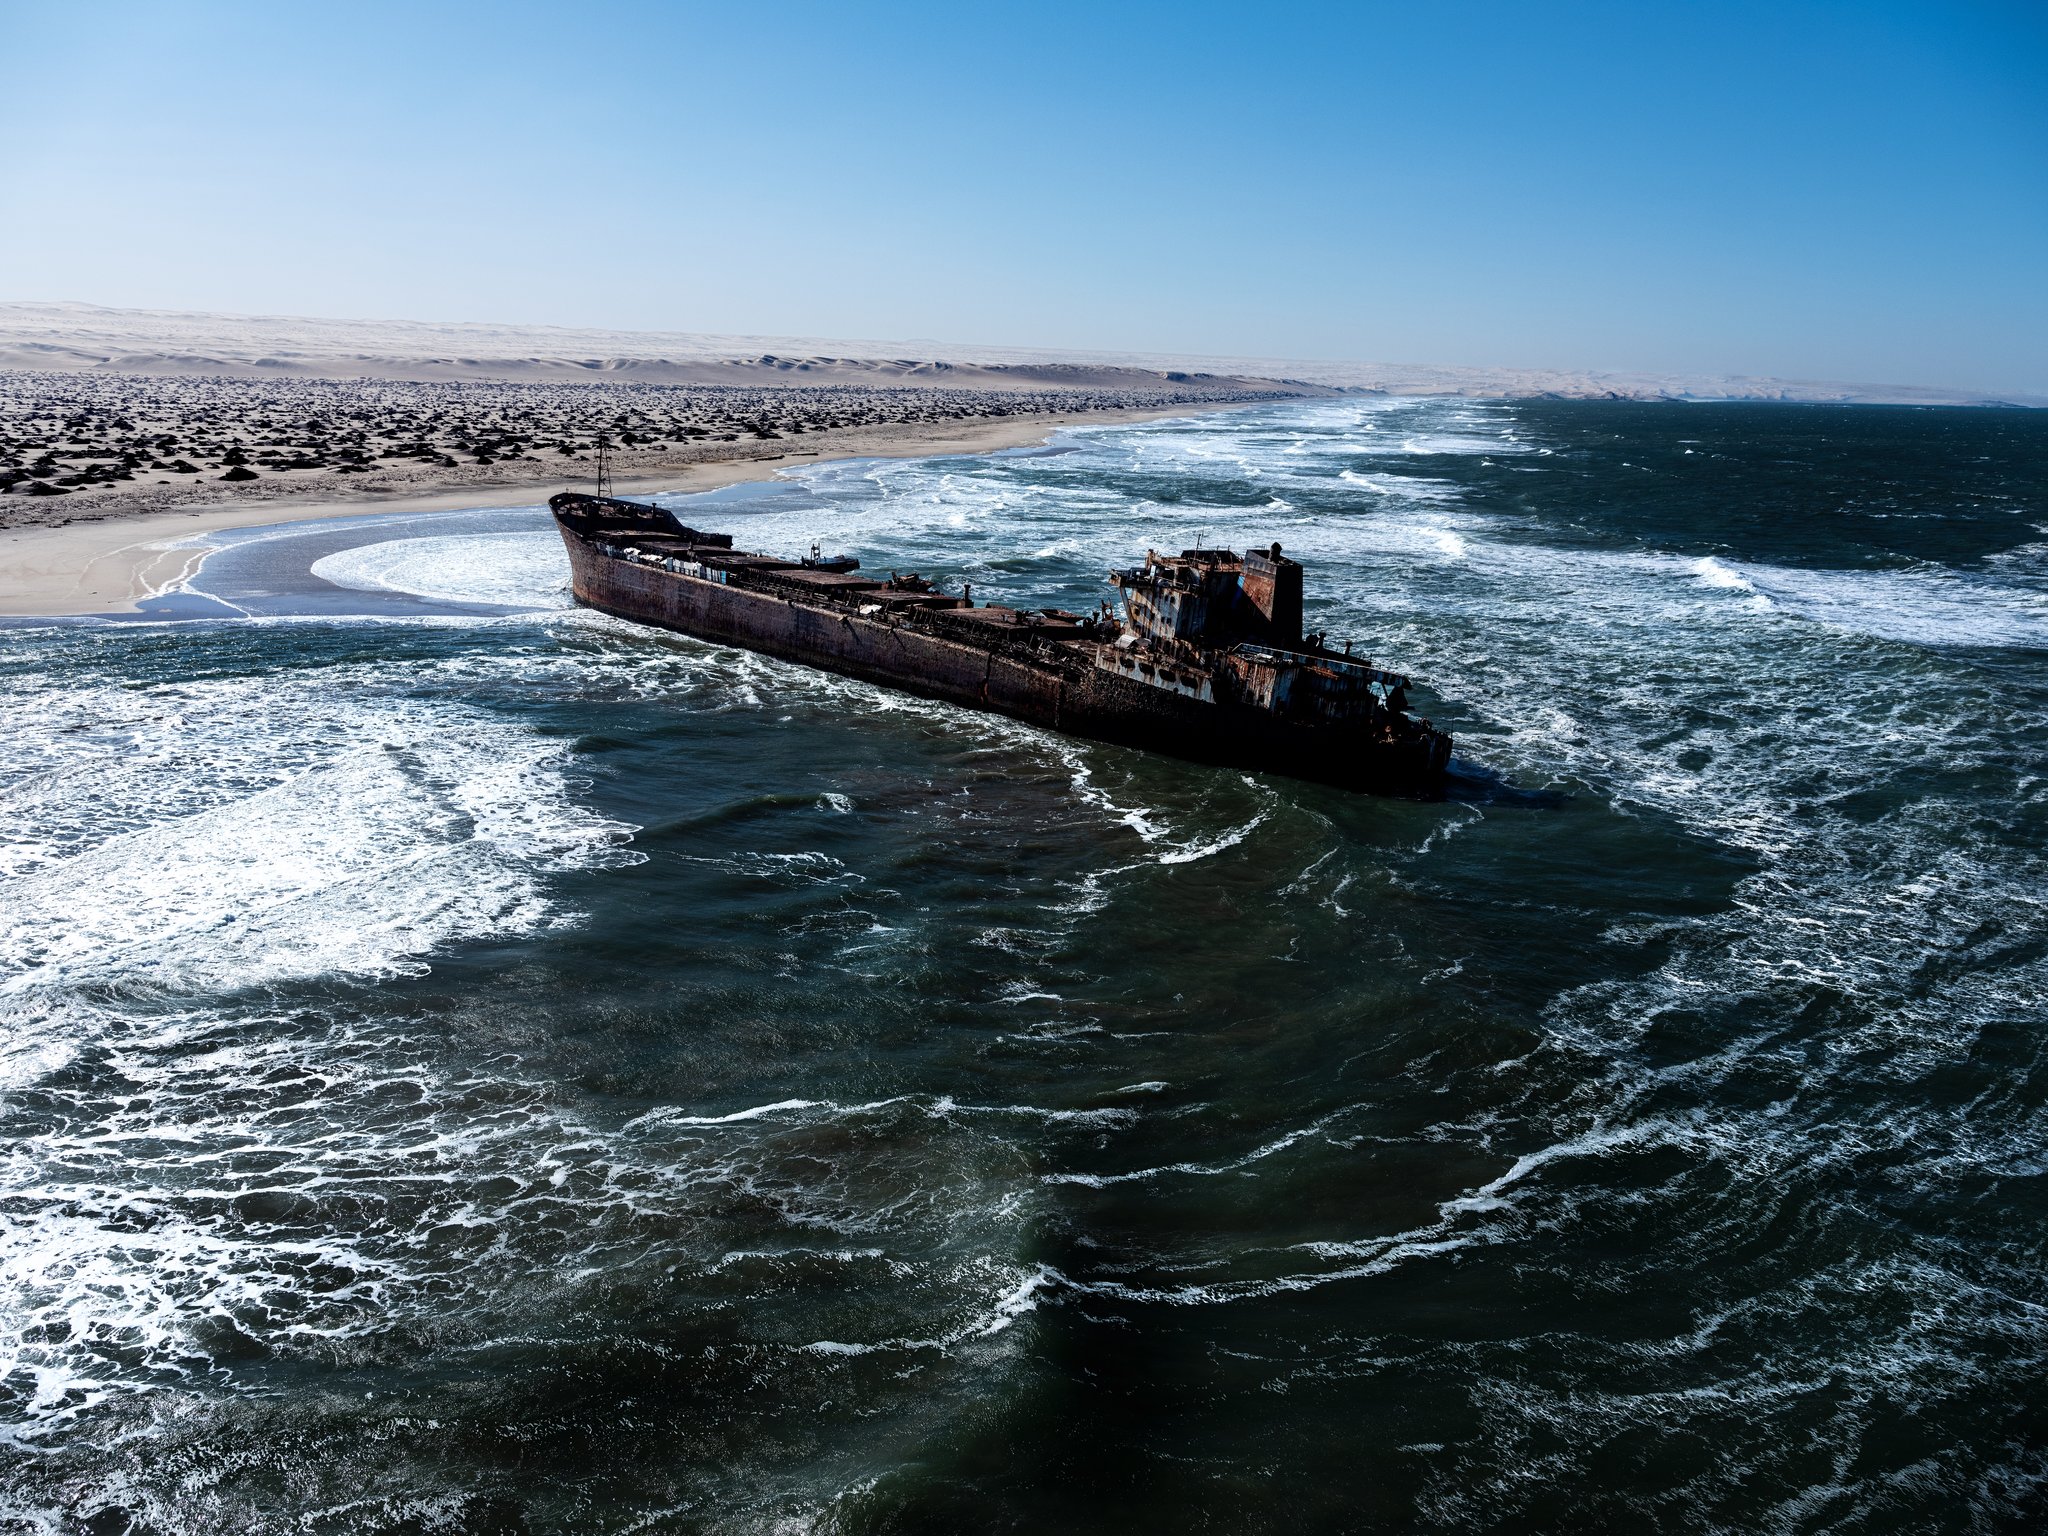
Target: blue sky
<point>1855,191</point>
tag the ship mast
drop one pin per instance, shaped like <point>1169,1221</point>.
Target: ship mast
<point>604,464</point>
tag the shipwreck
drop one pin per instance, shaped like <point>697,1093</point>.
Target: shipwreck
<point>1202,657</point>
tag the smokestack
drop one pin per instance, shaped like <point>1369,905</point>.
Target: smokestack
<point>1273,583</point>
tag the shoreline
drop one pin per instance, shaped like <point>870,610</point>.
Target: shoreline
<point>94,567</point>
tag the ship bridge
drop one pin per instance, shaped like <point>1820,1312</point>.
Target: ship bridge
<point>1213,598</point>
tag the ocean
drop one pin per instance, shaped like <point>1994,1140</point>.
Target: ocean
<point>470,1064</point>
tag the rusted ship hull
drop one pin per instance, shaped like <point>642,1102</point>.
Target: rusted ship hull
<point>1048,685</point>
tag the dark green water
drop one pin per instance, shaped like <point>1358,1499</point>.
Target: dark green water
<point>496,1070</point>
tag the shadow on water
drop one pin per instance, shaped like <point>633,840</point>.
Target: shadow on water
<point>1470,783</point>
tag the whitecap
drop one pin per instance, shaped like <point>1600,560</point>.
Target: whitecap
<point>1715,574</point>
<point>1454,443</point>
<point>1407,487</point>
<point>758,1112</point>
<point>1923,605</point>
<point>1189,852</point>
<point>1450,543</point>
<point>1004,1310</point>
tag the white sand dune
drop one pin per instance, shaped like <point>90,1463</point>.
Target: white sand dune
<point>69,336</point>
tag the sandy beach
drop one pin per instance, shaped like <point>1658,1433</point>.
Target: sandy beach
<point>119,555</point>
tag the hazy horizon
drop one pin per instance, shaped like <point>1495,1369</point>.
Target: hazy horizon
<point>67,335</point>
<point>1812,192</point>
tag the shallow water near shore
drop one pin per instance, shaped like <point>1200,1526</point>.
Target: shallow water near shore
<point>475,1065</point>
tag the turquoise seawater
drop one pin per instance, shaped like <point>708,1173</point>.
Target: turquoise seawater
<point>468,1064</point>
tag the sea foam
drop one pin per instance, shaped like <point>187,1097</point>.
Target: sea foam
<point>512,570</point>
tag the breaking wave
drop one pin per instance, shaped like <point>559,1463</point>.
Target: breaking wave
<point>513,570</point>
